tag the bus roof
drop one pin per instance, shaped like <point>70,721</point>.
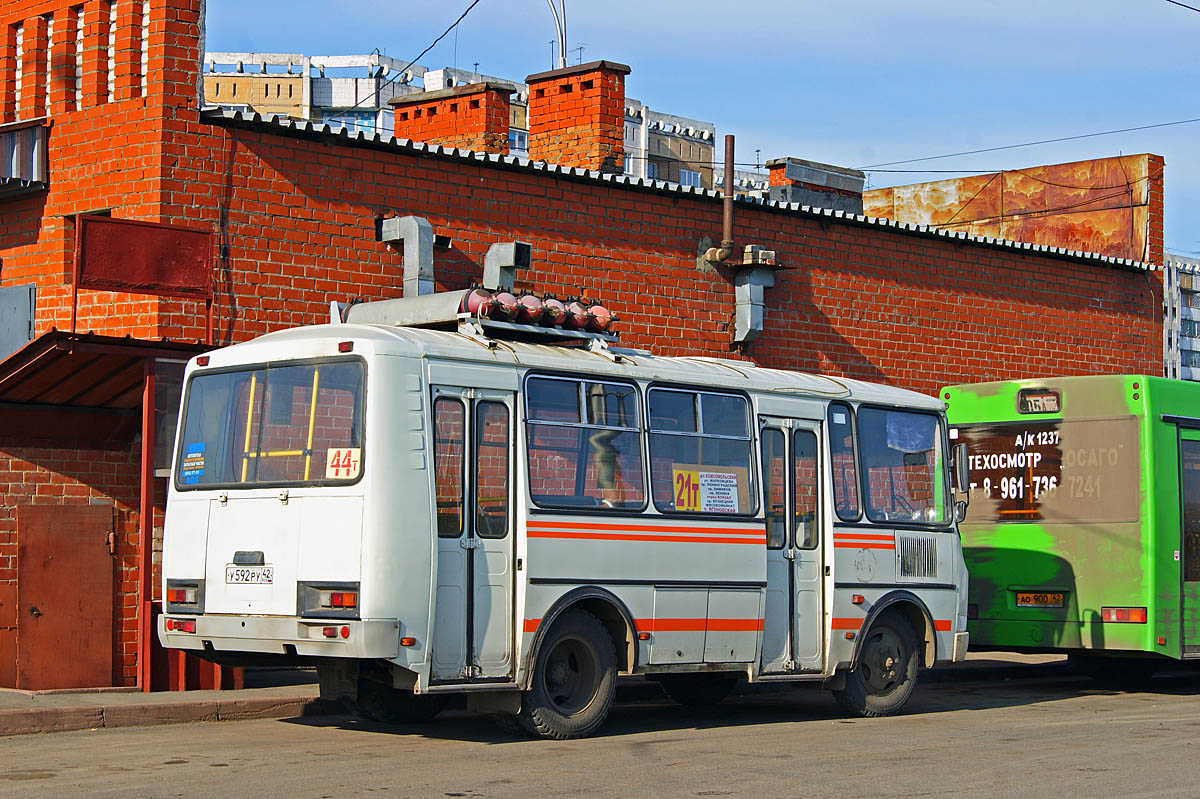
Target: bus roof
<point>320,340</point>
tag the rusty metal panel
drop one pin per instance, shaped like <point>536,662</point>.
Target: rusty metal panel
<point>143,257</point>
<point>1099,205</point>
<point>64,597</point>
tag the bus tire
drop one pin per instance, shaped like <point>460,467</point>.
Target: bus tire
<point>698,690</point>
<point>886,674</point>
<point>574,679</point>
<point>387,705</point>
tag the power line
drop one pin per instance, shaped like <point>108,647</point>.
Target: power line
<point>1185,5</point>
<point>404,69</point>
<point>1031,144</point>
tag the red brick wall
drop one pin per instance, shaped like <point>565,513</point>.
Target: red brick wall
<point>36,473</point>
<point>473,120</point>
<point>777,176</point>
<point>576,116</point>
<point>103,156</point>
<point>860,300</point>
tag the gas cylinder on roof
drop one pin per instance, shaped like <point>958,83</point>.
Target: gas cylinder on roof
<point>477,302</point>
<point>504,306</point>
<point>553,312</point>
<point>576,317</point>
<point>529,309</point>
<point>600,319</point>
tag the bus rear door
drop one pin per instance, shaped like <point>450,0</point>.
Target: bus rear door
<point>473,606</point>
<point>1189,504</point>
<point>793,624</point>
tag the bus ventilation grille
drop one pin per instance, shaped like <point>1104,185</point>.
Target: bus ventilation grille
<point>916,556</point>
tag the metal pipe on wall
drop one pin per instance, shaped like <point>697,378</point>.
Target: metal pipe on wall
<point>717,254</point>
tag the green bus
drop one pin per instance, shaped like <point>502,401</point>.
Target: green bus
<point>1082,534</point>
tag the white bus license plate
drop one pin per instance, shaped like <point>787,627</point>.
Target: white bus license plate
<point>252,575</point>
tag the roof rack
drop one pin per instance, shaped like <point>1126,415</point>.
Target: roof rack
<point>473,312</point>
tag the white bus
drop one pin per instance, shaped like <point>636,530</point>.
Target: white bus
<point>421,512</point>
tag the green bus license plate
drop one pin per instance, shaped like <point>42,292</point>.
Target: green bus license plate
<point>1036,599</point>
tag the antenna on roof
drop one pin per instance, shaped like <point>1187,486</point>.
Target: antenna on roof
<point>560,24</point>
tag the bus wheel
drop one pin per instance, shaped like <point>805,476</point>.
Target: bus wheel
<point>385,704</point>
<point>886,674</point>
<point>574,678</point>
<point>698,690</point>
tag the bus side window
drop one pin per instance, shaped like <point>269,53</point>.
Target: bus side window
<point>775,482</point>
<point>701,453</point>
<point>804,451</point>
<point>844,462</point>
<point>449,426</point>
<point>491,470</point>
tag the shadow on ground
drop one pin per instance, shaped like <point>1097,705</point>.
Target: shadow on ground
<point>643,708</point>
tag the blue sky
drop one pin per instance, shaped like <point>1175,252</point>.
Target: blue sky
<point>853,84</point>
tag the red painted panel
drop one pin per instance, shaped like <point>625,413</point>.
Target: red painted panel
<point>8,604</point>
<point>64,597</point>
<point>8,657</point>
<point>143,257</point>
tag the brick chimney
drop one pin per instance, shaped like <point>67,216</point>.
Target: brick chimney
<point>474,117</point>
<point>577,116</point>
<point>795,180</point>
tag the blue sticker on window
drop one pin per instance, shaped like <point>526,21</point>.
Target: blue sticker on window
<point>191,468</point>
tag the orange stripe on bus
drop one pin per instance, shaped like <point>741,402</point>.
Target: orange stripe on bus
<point>681,539</point>
<point>846,624</point>
<point>755,530</point>
<point>864,536</point>
<point>531,625</point>
<point>699,625</point>
<point>862,545</point>
<point>943,625</point>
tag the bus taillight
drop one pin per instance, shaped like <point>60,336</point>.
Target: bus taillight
<point>339,599</point>
<point>181,625</point>
<point>1123,615</point>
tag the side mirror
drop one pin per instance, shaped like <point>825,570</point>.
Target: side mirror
<point>962,469</point>
<point>960,510</point>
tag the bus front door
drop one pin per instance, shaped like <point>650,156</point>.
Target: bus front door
<point>793,624</point>
<point>473,605</point>
<point>1189,506</point>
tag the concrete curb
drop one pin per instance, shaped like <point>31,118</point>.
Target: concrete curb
<point>62,719</point>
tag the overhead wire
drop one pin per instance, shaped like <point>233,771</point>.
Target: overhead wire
<point>419,55</point>
<point>1029,144</point>
<point>1184,5</point>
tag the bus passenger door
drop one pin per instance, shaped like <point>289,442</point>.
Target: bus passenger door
<point>1189,504</point>
<point>473,455</point>
<point>793,624</point>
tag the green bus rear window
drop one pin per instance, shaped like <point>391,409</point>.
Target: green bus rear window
<point>1053,470</point>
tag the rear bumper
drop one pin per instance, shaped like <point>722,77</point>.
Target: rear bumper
<point>286,635</point>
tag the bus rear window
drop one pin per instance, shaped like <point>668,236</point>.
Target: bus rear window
<point>1054,470</point>
<point>274,425</point>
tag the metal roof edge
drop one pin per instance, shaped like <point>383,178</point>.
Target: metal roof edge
<point>379,141</point>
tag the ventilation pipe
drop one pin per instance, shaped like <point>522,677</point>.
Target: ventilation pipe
<point>417,235</point>
<point>756,273</point>
<point>717,254</point>
<point>501,263</point>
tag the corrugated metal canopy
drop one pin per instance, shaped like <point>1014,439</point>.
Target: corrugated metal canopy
<point>80,386</point>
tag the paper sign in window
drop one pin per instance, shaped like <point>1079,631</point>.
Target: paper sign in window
<point>343,463</point>
<point>708,491</point>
